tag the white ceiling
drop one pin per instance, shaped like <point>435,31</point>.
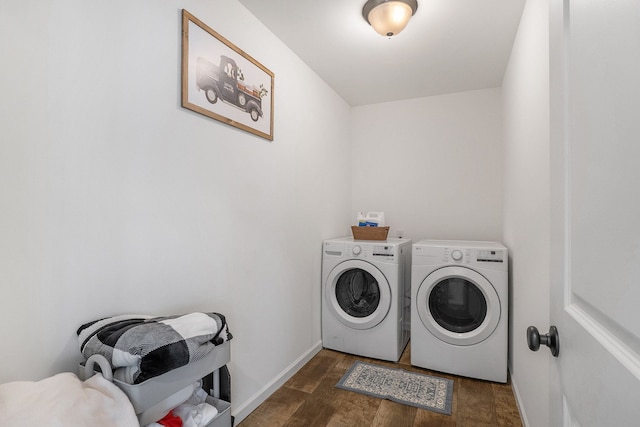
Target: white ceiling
<point>448,46</point>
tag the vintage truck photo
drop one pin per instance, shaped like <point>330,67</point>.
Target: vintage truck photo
<point>226,82</point>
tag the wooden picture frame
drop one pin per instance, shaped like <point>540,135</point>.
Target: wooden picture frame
<point>222,82</point>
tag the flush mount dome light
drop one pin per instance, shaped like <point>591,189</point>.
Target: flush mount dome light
<point>389,17</point>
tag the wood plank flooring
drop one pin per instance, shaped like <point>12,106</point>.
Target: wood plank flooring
<point>310,399</point>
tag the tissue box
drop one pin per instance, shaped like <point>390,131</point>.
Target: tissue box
<point>369,233</point>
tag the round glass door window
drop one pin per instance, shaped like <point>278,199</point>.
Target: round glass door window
<point>457,305</point>
<point>357,293</point>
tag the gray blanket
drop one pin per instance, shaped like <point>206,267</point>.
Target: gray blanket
<point>143,347</point>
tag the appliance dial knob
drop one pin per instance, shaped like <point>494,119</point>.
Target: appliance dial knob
<point>456,255</point>
<point>356,250</point>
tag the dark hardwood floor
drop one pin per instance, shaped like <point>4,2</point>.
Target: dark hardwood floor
<point>311,399</point>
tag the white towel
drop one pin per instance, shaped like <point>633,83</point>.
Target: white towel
<point>195,415</point>
<point>63,400</point>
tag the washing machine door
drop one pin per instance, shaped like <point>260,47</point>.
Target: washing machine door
<point>358,294</point>
<point>458,305</point>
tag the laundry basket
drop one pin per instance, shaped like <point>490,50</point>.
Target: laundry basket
<point>369,233</point>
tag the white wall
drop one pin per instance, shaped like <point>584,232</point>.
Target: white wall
<point>114,199</point>
<point>526,209</point>
<point>433,165</point>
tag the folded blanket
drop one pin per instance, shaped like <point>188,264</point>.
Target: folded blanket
<point>63,400</point>
<point>140,347</point>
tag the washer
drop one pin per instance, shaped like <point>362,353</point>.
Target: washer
<point>366,291</point>
<point>459,307</point>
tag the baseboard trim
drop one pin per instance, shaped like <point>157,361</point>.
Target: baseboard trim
<point>240,412</point>
<point>516,392</point>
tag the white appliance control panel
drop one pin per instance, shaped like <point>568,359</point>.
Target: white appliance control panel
<point>490,255</point>
<point>457,255</point>
<point>390,250</point>
<point>464,253</point>
<point>384,251</point>
<point>356,250</point>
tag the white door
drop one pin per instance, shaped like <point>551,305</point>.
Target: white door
<point>595,213</point>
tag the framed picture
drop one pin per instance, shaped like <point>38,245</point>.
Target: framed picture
<point>221,81</point>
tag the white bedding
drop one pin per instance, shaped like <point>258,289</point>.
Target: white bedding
<point>64,401</point>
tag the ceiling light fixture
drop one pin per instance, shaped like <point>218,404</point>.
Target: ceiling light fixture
<point>389,17</point>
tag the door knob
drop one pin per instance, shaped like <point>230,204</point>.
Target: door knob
<point>551,340</point>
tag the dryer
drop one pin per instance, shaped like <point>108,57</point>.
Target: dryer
<point>459,308</point>
<point>366,291</point>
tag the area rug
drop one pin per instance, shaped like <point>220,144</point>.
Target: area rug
<point>410,388</point>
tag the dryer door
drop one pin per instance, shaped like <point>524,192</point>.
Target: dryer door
<point>458,305</point>
<point>358,294</point>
